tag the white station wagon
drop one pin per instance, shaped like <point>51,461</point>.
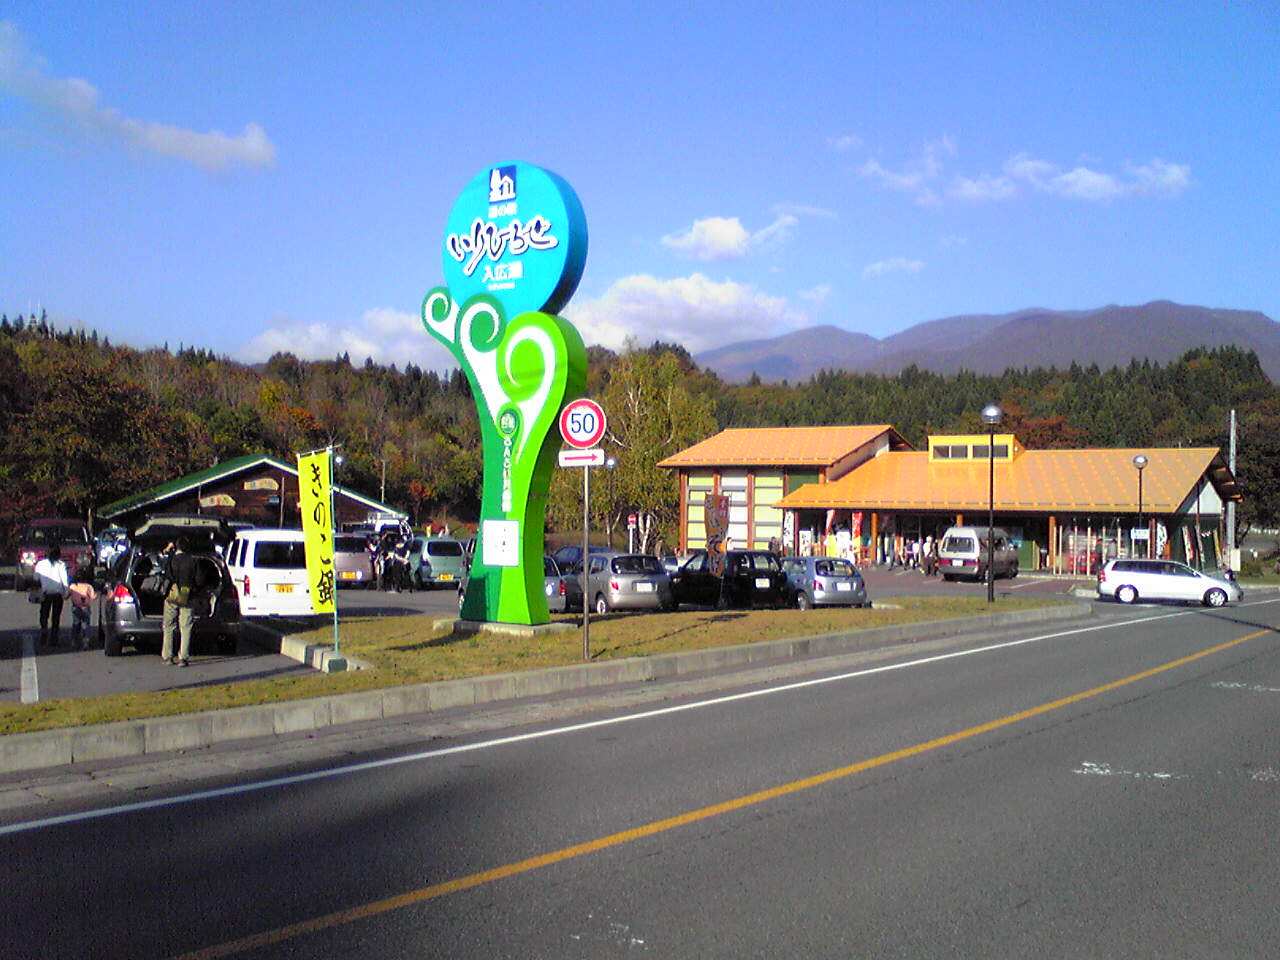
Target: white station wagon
<point>1129,581</point>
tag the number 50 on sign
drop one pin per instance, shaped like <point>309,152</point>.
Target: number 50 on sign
<point>582,423</point>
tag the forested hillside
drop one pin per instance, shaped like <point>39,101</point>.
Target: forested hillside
<point>84,422</point>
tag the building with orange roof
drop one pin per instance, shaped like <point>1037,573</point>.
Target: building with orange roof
<point>757,467</point>
<point>1066,509</point>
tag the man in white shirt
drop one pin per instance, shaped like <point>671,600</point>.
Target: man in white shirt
<point>53,583</point>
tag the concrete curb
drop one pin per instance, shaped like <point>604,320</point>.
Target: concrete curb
<point>54,748</point>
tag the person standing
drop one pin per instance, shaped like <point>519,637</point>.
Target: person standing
<point>181,570</point>
<point>53,583</point>
<point>82,596</point>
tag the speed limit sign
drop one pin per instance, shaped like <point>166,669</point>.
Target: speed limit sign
<point>582,423</point>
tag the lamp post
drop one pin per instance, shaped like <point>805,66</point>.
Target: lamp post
<point>1140,461</point>
<point>991,416</point>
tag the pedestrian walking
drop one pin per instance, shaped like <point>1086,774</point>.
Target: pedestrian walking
<point>930,557</point>
<point>52,584</point>
<point>82,596</point>
<point>182,571</point>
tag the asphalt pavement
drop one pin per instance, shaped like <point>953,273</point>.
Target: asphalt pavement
<point>1102,789</point>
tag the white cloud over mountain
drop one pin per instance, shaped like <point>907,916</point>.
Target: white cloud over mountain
<point>26,75</point>
<point>927,179</point>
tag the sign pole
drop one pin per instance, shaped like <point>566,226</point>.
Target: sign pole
<point>586,605</point>
<point>334,519</point>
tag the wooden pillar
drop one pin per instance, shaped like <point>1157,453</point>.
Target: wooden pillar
<point>875,535</point>
<point>751,510</point>
<point>683,546</point>
<point>1053,543</point>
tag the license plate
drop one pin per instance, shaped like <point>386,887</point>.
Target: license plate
<point>844,586</point>
<point>644,586</point>
<point>762,583</point>
<point>957,563</point>
<point>445,576</point>
<point>282,587</point>
<point>342,575</point>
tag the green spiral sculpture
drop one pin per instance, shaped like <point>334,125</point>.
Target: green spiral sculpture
<point>515,247</point>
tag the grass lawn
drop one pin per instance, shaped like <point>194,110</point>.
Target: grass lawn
<point>406,650</point>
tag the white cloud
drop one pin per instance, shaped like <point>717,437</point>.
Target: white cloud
<point>818,295</point>
<point>26,75</point>
<point>845,143</point>
<point>802,210</point>
<point>924,176</point>
<point>984,187</point>
<point>382,334</point>
<point>715,238</point>
<point>918,174</point>
<point>694,311</point>
<point>725,238</point>
<point>955,240</point>
<point>892,265</point>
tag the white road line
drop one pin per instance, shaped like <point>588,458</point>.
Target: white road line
<point>558,731</point>
<point>30,684</point>
<point>1259,775</point>
<point>1251,687</point>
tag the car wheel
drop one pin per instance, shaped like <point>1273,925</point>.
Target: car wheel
<point>948,577</point>
<point>803,602</point>
<point>111,644</point>
<point>602,603</point>
<point>1215,598</point>
<point>1013,571</point>
<point>1127,594</point>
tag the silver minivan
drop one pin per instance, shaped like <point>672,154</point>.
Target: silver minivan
<point>1129,581</point>
<point>962,554</point>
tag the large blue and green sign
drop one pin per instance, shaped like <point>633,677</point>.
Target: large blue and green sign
<point>515,246</point>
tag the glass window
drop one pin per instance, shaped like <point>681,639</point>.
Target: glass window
<point>348,544</point>
<point>280,555</point>
<point>444,548</point>
<point>835,568</point>
<point>549,568</point>
<point>636,564</point>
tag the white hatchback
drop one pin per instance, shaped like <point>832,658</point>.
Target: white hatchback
<point>269,568</point>
<point>1131,580</point>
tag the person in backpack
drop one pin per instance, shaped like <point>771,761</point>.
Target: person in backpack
<point>182,572</point>
<point>52,583</point>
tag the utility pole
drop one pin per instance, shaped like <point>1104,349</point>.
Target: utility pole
<point>1231,504</point>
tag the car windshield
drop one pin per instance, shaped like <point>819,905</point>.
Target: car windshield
<point>762,562</point>
<point>958,545</point>
<point>61,533</point>
<point>444,548</point>
<point>280,555</point>
<point>349,544</point>
<point>549,568</point>
<point>835,568</point>
<point>640,564</point>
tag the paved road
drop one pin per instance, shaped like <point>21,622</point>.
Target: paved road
<point>1108,790</point>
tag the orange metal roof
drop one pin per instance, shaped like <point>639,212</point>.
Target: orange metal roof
<point>1103,481</point>
<point>787,446</point>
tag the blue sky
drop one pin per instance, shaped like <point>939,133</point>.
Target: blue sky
<point>259,176</point>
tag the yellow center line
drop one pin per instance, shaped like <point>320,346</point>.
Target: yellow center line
<point>435,890</point>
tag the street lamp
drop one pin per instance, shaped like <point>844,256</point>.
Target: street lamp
<point>1140,461</point>
<point>991,416</point>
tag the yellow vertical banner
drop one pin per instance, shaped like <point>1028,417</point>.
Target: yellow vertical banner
<point>314,475</point>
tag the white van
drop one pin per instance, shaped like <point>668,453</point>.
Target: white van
<point>269,569</point>
<point>962,554</point>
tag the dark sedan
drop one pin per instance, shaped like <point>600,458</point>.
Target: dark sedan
<point>751,578</point>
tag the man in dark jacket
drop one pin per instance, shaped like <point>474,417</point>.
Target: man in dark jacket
<point>182,570</point>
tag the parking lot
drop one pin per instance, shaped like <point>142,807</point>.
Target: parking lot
<point>29,672</point>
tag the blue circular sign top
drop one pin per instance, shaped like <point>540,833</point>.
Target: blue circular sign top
<point>517,233</point>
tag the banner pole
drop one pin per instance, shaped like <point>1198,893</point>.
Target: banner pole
<point>333,520</point>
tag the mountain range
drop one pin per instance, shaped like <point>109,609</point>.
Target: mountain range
<point>1160,331</point>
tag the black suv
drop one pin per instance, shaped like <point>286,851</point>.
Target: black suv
<point>132,600</point>
<point>751,578</point>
